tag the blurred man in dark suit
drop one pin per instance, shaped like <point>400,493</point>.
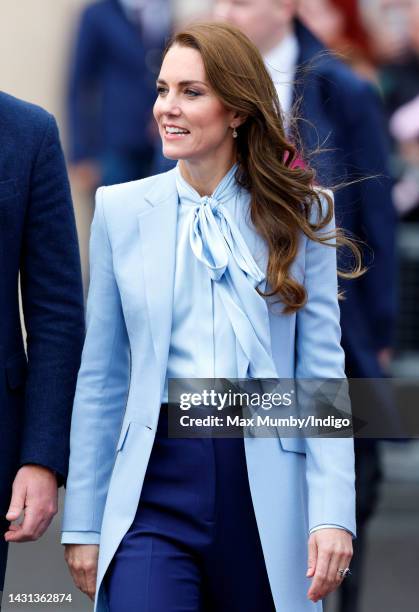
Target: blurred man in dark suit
<point>112,88</point>
<point>341,114</point>
<point>38,241</point>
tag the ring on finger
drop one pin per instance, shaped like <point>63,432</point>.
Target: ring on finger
<point>344,571</point>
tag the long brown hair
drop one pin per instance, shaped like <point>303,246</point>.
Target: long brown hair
<point>284,198</point>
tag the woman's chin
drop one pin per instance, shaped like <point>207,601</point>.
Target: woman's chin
<point>171,152</point>
<point>168,153</point>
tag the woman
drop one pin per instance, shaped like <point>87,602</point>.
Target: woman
<point>177,290</point>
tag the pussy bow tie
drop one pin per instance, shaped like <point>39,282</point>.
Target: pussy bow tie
<point>217,242</point>
<point>213,232</point>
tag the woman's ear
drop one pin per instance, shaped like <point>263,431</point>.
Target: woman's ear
<point>238,119</point>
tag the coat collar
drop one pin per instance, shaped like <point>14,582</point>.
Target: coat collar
<point>157,223</point>
<point>162,189</point>
<point>310,47</point>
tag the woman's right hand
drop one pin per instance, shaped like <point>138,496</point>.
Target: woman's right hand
<point>82,562</point>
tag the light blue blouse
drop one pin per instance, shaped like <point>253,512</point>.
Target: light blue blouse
<point>220,326</point>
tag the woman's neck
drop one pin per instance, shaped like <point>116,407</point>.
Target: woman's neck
<point>204,176</point>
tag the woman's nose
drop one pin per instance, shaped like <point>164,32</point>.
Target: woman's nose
<point>169,105</point>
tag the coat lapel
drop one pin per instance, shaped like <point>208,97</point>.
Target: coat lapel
<point>157,226</point>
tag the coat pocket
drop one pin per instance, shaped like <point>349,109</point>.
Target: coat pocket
<point>297,445</point>
<point>123,435</point>
<point>125,429</point>
<point>16,370</point>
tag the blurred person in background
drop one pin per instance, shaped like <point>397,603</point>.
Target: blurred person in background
<point>341,113</point>
<point>393,28</point>
<point>338,24</point>
<point>404,126</point>
<point>38,241</point>
<point>387,24</point>
<point>111,90</point>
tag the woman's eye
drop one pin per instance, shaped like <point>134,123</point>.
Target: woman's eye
<point>192,93</point>
<point>189,92</point>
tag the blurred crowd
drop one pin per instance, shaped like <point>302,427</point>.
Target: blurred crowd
<point>379,39</point>
<point>112,139</point>
<point>116,58</point>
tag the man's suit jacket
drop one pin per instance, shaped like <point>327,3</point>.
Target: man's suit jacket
<point>342,114</point>
<point>112,84</point>
<point>295,484</point>
<point>38,240</point>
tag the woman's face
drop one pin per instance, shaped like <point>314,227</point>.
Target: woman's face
<point>192,121</point>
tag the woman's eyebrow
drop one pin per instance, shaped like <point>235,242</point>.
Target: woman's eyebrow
<point>182,83</point>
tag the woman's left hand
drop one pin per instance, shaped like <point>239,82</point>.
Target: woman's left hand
<point>329,550</point>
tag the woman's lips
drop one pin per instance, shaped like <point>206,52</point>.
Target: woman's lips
<point>174,132</point>
<point>174,136</point>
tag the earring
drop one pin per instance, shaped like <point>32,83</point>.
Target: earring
<point>234,133</point>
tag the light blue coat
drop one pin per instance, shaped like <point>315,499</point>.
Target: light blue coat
<point>296,484</point>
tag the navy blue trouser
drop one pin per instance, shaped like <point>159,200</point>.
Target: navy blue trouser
<point>193,545</point>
